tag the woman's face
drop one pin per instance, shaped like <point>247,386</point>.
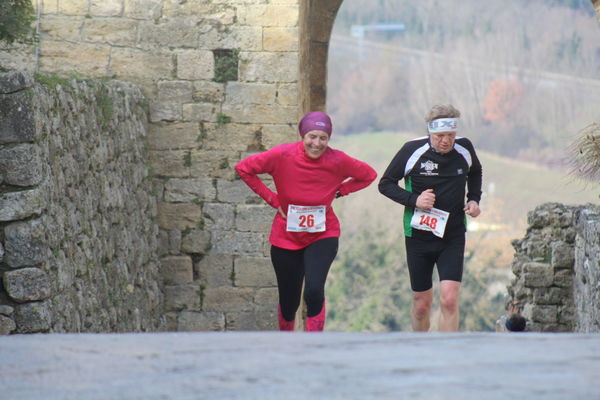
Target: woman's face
<point>315,143</point>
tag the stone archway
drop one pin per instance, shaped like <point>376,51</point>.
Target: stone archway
<point>316,23</point>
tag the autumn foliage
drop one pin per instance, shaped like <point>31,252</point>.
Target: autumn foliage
<point>501,100</point>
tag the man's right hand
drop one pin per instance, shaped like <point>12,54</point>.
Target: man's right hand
<point>426,200</point>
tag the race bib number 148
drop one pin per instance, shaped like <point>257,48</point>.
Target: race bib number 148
<point>433,220</point>
<point>305,218</point>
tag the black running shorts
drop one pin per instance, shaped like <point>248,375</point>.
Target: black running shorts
<point>421,256</point>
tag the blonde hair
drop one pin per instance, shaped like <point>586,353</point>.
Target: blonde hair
<point>442,111</point>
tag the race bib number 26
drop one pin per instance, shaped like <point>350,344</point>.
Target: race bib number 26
<point>433,220</point>
<point>305,218</point>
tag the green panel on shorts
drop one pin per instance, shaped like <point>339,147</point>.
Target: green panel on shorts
<point>408,211</point>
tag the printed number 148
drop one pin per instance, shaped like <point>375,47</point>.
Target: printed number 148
<point>429,221</point>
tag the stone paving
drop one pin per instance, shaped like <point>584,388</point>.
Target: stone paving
<point>274,365</point>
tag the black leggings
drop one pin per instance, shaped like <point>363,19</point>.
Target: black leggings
<point>310,264</point>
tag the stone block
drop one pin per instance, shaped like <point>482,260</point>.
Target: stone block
<point>254,272</point>
<point>209,92</point>
<point>49,6</point>
<point>167,136</point>
<point>242,321</point>
<point>544,314</point>
<point>287,94</point>
<point>244,243</point>
<point>232,137</point>
<point>196,241</point>
<point>227,299</point>
<point>75,58</point>
<point>550,295</point>
<point>562,255</point>
<point>115,31</point>
<point>27,284</point>
<point>215,270</point>
<point>6,310</point>
<point>280,39</point>
<point>179,216</point>
<point>16,114</point>
<point>33,317</point>
<point>267,299</point>
<point>21,165</point>
<point>218,164</point>
<point>183,297</point>
<point>21,205</point>
<point>188,190</point>
<point>170,163</point>
<point>261,114</point>
<point>537,274</point>
<point>176,33</point>
<point>250,93</point>
<point>195,64</point>
<point>236,192</point>
<point>200,321</point>
<point>566,316</point>
<point>169,322</point>
<point>134,63</point>
<point>177,8</point>
<point>175,91</point>
<point>14,81</point>
<point>165,111</point>
<point>563,278</point>
<point>254,218</point>
<point>7,325</point>
<point>177,270</point>
<point>274,135</point>
<point>218,216</point>
<point>143,9</point>
<point>61,28</point>
<point>236,37</point>
<point>106,8</point>
<point>73,7</point>
<point>269,15</point>
<point>199,112</point>
<point>280,67</point>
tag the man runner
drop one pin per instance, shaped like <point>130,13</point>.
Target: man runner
<point>436,168</point>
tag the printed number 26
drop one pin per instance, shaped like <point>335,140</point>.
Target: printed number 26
<point>429,221</point>
<point>307,221</point>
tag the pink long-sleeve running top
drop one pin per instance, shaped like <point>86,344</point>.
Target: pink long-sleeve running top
<point>301,180</point>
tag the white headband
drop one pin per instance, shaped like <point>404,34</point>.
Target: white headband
<point>442,125</point>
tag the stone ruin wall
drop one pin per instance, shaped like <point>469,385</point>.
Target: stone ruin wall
<point>77,212</point>
<point>557,269</point>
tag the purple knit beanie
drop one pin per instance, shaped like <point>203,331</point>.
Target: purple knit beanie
<point>315,121</point>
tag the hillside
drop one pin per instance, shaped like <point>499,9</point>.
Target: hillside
<point>369,288</point>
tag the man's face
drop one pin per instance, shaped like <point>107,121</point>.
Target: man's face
<point>443,142</point>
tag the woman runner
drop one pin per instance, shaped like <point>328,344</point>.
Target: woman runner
<point>308,175</point>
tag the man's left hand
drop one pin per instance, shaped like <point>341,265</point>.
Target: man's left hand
<point>472,209</point>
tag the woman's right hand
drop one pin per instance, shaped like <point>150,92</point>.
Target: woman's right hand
<point>280,211</point>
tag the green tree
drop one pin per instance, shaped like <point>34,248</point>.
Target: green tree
<point>16,17</point>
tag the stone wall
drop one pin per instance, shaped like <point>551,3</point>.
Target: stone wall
<point>557,270</point>
<point>221,81</point>
<point>76,208</point>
